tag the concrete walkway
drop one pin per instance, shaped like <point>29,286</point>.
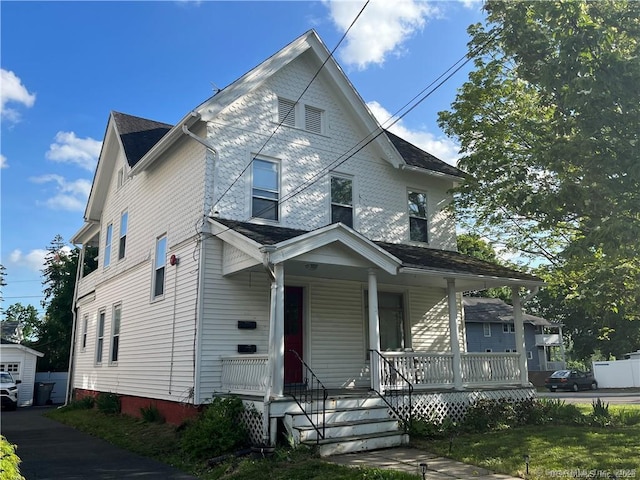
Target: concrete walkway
<point>409,459</point>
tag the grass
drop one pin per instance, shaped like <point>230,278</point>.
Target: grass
<point>554,450</point>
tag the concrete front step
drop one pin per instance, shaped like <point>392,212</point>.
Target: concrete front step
<point>342,415</point>
<point>350,429</point>
<point>360,443</point>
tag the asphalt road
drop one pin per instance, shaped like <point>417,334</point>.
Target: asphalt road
<point>52,451</point>
<point>610,397</point>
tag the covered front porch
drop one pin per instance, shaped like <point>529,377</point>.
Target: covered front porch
<point>391,312</point>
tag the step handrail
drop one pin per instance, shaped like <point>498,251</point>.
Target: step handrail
<point>389,374</point>
<point>310,391</point>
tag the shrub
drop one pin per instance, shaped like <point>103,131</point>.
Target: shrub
<point>151,414</point>
<point>600,415</point>
<point>10,461</point>
<point>108,403</point>
<point>84,403</point>
<point>216,431</point>
<point>485,414</point>
<point>561,412</point>
<point>627,417</point>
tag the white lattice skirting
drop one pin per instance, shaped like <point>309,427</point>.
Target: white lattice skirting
<point>436,407</point>
<point>252,421</point>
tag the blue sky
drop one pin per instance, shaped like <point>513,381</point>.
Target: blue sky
<point>66,65</point>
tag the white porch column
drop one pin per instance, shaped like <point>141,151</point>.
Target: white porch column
<point>276,332</point>
<point>454,333</point>
<point>374,330</point>
<point>519,333</point>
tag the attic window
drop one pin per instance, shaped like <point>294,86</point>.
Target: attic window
<point>312,119</point>
<point>286,112</point>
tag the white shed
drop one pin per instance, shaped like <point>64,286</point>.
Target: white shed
<point>20,361</point>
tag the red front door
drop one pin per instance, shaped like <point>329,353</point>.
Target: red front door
<point>293,338</point>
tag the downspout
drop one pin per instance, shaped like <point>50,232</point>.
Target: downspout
<point>74,315</point>
<point>200,280</point>
<point>266,414</point>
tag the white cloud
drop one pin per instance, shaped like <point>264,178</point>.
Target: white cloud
<point>12,90</point>
<point>68,195</point>
<point>68,148</point>
<point>381,30</point>
<point>34,260</point>
<point>439,146</point>
<point>3,162</point>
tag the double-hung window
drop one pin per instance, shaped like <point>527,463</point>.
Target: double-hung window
<point>107,245</point>
<point>85,325</point>
<point>486,328</point>
<point>123,235</point>
<point>391,321</point>
<point>115,335</point>
<point>342,200</point>
<point>160,266</point>
<point>100,338</point>
<point>418,224</point>
<point>265,193</point>
<point>508,328</point>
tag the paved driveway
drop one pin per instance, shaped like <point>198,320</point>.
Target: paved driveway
<point>50,450</point>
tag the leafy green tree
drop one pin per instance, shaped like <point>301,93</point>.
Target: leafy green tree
<point>548,124</point>
<point>472,244</point>
<point>54,336</point>
<point>26,317</point>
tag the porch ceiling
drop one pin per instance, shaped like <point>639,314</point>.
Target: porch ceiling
<point>339,252</point>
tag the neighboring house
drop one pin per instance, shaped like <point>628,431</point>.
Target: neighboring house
<point>261,225</point>
<point>21,362</point>
<point>490,328</point>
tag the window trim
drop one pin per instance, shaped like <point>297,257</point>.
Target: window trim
<point>115,343</point>
<point>102,320</point>
<point>108,242</point>
<point>332,203</point>
<point>486,331</point>
<point>416,217</point>
<point>120,181</point>
<point>122,241</point>
<point>278,192</point>
<point>85,326</point>
<point>156,268</point>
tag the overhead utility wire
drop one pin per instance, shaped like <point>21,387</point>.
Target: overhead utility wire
<point>379,131</point>
<point>293,106</point>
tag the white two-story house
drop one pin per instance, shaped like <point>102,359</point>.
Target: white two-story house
<point>277,244</point>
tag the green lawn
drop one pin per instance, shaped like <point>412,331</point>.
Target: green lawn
<point>555,451</point>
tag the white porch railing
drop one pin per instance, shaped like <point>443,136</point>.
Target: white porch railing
<point>430,370</point>
<point>490,368</point>
<point>245,373</point>
<point>420,368</point>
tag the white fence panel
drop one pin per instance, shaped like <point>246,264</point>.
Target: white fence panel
<point>59,389</point>
<point>618,373</point>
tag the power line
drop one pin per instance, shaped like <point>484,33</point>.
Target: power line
<point>293,106</point>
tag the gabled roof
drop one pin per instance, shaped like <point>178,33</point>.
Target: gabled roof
<point>18,346</point>
<point>138,135</point>
<point>411,256</point>
<point>494,310</point>
<point>416,157</point>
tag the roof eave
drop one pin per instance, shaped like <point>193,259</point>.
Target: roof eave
<point>472,276</point>
<point>432,173</point>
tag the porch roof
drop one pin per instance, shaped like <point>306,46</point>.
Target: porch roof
<point>414,258</point>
